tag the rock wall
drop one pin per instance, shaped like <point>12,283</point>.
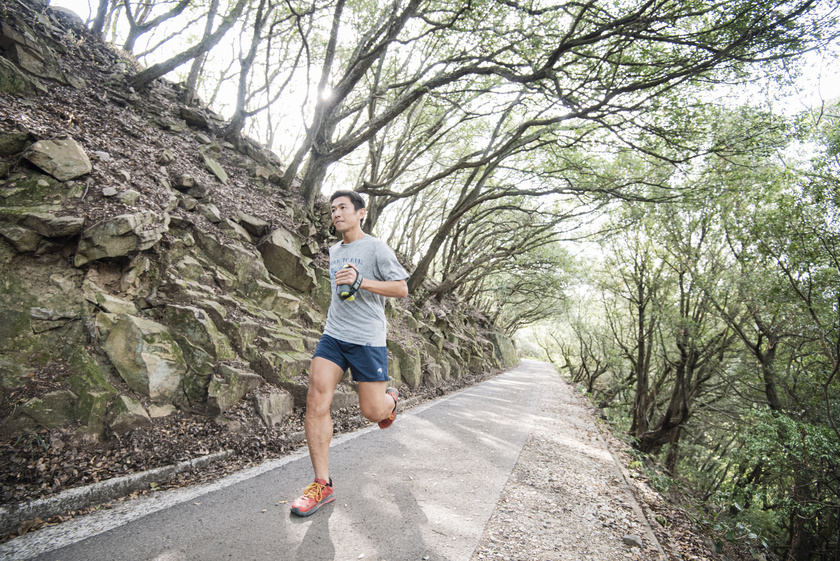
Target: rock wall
<point>146,264</point>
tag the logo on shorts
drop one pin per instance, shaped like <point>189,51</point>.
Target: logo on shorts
<point>379,371</point>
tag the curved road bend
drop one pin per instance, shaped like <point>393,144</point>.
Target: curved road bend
<point>422,489</point>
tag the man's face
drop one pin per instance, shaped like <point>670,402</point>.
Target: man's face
<point>344,215</point>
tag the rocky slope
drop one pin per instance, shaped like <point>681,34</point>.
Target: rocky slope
<point>160,297</point>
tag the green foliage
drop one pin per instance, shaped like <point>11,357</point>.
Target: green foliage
<point>31,442</point>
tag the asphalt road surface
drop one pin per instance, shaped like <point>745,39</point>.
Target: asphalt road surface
<point>423,489</point>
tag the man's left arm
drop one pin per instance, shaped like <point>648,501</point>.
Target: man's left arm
<point>391,289</point>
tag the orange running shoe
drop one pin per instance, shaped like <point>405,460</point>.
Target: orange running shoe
<point>388,421</point>
<point>316,494</point>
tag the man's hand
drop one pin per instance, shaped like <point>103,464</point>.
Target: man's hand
<point>347,288</point>
<point>346,275</point>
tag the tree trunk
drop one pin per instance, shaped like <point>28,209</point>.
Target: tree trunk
<point>310,186</point>
<point>641,399</point>
<point>98,26</point>
<point>667,429</point>
<point>672,459</point>
<point>195,68</point>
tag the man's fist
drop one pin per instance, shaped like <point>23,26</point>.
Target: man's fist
<point>348,291</point>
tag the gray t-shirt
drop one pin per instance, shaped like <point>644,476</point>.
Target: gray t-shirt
<point>362,321</point>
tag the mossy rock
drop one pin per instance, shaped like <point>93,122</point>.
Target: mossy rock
<point>127,414</point>
<point>32,190</point>
<point>92,409</point>
<point>11,373</point>
<point>194,326</point>
<point>322,292</point>
<point>199,373</point>
<point>52,409</point>
<point>147,357</point>
<point>409,363</point>
<point>88,376</point>
<point>504,350</point>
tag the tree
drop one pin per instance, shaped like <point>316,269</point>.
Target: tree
<point>139,22</point>
<point>150,74</point>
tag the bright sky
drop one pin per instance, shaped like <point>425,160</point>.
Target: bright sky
<point>821,84</point>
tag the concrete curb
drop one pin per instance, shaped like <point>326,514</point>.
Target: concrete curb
<point>12,516</point>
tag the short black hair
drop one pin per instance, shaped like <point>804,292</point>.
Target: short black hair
<point>358,201</point>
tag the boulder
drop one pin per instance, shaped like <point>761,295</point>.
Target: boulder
<point>343,398</point>
<point>158,411</point>
<point>235,231</point>
<point>15,82</point>
<point>51,226</point>
<point>322,293</point>
<point>52,409</point>
<point>255,226</point>
<point>112,304</point>
<point>195,118</point>
<point>229,386</point>
<point>189,268</point>
<point>31,56</point>
<point>63,159</point>
<point>283,259</point>
<point>95,391</point>
<point>408,359</point>
<point>41,219</point>
<point>104,323</point>
<point>278,368</point>
<point>127,414</point>
<point>92,409</point>
<point>87,375</point>
<point>215,168</point>
<point>147,357</point>
<point>166,157</point>
<point>272,297</point>
<point>24,240</point>
<point>210,212</point>
<point>11,373</point>
<point>46,319</point>
<point>504,349</point>
<point>433,374</point>
<point>121,235</point>
<point>129,197</point>
<point>13,142</point>
<point>279,339</point>
<point>632,540</point>
<point>246,265</point>
<point>274,407</point>
<point>193,327</point>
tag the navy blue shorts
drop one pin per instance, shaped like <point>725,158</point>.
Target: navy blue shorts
<point>366,363</point>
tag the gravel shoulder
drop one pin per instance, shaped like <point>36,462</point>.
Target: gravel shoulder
<point>571,498</point>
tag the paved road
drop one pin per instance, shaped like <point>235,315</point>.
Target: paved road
<point>423,489</point>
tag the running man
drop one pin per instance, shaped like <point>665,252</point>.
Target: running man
<point>353,337</point>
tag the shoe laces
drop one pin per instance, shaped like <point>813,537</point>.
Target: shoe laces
<point>315,490</point>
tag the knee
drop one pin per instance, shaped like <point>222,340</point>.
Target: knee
<point>370,413</point>
<point>318,401</point>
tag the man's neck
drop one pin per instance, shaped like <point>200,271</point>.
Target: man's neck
<point>353,235</point>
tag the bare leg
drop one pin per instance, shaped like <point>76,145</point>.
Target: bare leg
<point>374,402</point>
<point>324,376</point>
